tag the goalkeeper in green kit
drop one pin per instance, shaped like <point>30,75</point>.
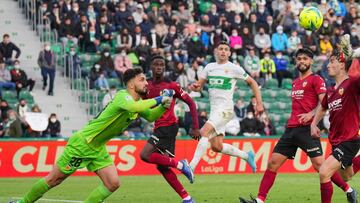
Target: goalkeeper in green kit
<point>87,147</point>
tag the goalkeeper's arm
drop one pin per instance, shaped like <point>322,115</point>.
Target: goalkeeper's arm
<point>130,105</point>
<point>152,115</point>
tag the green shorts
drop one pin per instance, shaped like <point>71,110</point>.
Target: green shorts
<point>78,154</point>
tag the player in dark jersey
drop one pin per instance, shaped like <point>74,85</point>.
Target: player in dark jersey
<point>307,92</point>
<point>161,145</point>
<point>342,101</point>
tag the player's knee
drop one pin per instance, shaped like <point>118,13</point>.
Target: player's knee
<point>216,147</point>
<point>53,181</point>
<point>113,185</point>
<point>323,173</point>
<point>346,176</point>
<point>144,156</point>
<point>273,165</point>
<point>317,166</point>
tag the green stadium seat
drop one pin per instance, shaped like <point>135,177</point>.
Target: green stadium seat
<point>280,130</point>
<point>8,94</point>
<point>242,85</point>
<point>182,132</point>
<point>56,48</point>
<point>114,82</point>
<point>287,83</point>
<point>274,108</point>
<point>25,94</point>
<point>271,84</point>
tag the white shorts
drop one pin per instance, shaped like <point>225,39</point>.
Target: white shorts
<point>219,118</point>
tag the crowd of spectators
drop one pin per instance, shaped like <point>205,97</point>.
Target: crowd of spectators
<point>263,35</point>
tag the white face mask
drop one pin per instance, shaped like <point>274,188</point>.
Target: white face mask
<point>278,56</point>
<point>339,22</point>
<point>172,33</point>
<point>143,42</point>
<point>176,44</point>
<point>250,116</point>
<point>266,57</point>
<point>72,53</point>
<point>17,66</point>
<point>168,58</point>
<point>76,9</point>
<point>261,10</point>
<point>97,66</point>
<point>47,48</point>
<point>106,54</point>
<point>123,53</point>
<point>353,34</point>
<point>280,32</point>
<point>152,31</point>
<point>218,31</point>
<point>326,24</point>
<point>308,33</point>
<point>234,34</point>
<point>53,120</point>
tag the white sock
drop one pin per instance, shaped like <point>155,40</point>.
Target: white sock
<point>199,152</point>
<point>233,151</point>
<point>180,165</point>
<point>259,200</point>
<point>349,190</point>
<point>187,198</point>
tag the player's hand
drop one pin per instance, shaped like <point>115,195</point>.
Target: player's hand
<point>194,87</point>
<point>315,131</point>
<point>195,134</point>
<point>259,109</point>
<point>167,93</point>
<point>166,101</point>
<point>305,117</point>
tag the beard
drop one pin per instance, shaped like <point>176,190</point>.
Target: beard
<point>303,70</point>
<point>141,92</point>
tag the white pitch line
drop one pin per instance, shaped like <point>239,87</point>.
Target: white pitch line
<point>55,200</point>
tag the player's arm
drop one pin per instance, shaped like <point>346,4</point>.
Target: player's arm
<point>256,91</point>
<point>198,85</point>
<point>320,113</point>
<point>127,103</point>
<point>179,93</point>
<point>306,117</point>
<point>152,115</point>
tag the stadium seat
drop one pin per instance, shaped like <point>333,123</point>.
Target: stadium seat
<point>242,85</point>
<point>274,108</point>
<point>25,94</point>
<point>271,84</point>
<point>182,132</point>
<point>114,82</point>
<point>287,83</point>
<point>9,94</point>
<point>280,130</point>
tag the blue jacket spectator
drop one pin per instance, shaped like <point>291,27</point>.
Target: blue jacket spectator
<point>279,40</point>
<point>339,7</point>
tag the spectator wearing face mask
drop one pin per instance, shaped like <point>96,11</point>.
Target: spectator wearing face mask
<point>46,61</point>
<point>169,38</point>
<point>4,107</point>
<point>20,78</point>
<point>281,65</point>
<point>5,77</point>
<point>7,48</point>
<point>154,39</point>
<point>121,15</point>
<point>22,108</point>
<point>218,36</point>
<point>196,49</point>
<point>98,79</point>
<point>267,67</point>
<point>13,125</point>
<point>67,32</point>
<point>250,126</point>
<point>279,40</point>
<point>240,110</point>
<point>267,128</point>
<point>54,127</point>
<point>294,42</point>
<point>103,29</point>
<point>251,64</point>
<point>326,28</point>
<point>262,41</point>
<point>109,96</point>
<point>232,127</point>
<point>107,64</point>
<point>325,45</point>
<point>179,52</point>
<point>124,40</point>
<point>72,64</point>
<point>122,63</point>
<point>143,51</point>
<point>311,40</point>
<point>236,43</point>
<point>354,37</point>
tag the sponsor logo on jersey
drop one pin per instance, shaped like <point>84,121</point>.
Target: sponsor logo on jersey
<point>335,105</point>
<point>341,91</point>
<point>298,94</point>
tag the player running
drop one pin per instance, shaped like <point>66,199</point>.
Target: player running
<point>161,146</point>
<point>87,147</point>
<point>222,76</point>
<point>342,101</point>
<point>307,92</point>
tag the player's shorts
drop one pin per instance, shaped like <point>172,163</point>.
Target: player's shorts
<point>78,154</point>
<point>164,139</point>
<point>219,118</point>
<point>298,137</point>
<point>345,152</point>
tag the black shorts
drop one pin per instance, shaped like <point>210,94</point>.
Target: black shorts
<point>345,152</point>
<point>164,139</point>
<point>298,137</point>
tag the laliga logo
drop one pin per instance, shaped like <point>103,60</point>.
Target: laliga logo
<point>212,157</point>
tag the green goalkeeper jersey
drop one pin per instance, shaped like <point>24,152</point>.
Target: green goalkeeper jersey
<point>116,117</point>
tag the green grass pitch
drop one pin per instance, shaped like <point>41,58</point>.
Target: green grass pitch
<point>294,188</point>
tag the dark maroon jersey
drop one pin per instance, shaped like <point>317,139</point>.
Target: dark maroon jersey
<point>304,96</point>
<point>343,105</point>
<point>169,118</point>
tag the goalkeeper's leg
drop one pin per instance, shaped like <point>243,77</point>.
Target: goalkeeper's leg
<point>110,183</point>
<point>54,178</point>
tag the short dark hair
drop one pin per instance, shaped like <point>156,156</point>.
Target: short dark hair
<point>6,35</point>
<point>305,51</point>
<point>157,57</point>
<point>341,58</point>
<point>222,43</point>
<point>131,73</point>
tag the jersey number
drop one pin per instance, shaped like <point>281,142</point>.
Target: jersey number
<point>75,162</point>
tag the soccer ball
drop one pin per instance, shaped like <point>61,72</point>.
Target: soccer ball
<point>311,18</point>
